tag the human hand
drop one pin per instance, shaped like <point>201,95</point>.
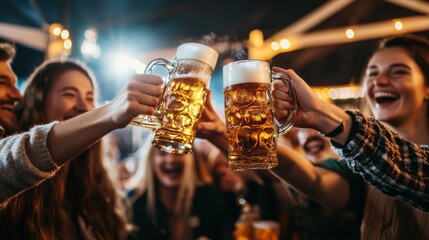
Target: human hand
<point>139,96</point>
<point>308,103</point>
<point>210,125</point>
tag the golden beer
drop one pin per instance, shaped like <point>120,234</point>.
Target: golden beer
<point>192,59</point>
<point>251,128</point>
<point>243,231</point>
<point>252,133</point>
<point>182,105</point>
<point>266,230</point>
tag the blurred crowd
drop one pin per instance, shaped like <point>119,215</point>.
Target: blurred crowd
<point>73,170</point>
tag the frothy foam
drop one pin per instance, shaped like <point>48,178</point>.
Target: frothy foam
<point>265,224</point>
<point>245,72</point>
<point>199,52</point>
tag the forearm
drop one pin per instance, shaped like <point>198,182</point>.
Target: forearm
<point>25,161</point>
<point>69,138</point>
<point>295,169</point>
<point>323,186</point>
<point>388,162</point>
<point>329,118</point>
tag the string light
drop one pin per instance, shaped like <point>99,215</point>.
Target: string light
<point>350,33</point>
<point>67,44</point>
<point>285,43</point>
<point>398,25</point>
<point>339,93</point>
<point>65,34</point>
<point>275,46</point>
<point>55,29</point>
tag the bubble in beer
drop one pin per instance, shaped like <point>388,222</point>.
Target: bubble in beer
<point>234,117</point>
<point>262,94</point>
<point>195,109</point>
<point>256,115</point>
<point>243,97</point>
<point>247,138</point>
<point>182,121</point>
<point>267,138</point>
<point>176,102</point>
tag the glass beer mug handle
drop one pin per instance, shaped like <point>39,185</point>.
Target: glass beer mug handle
<point>159,61</point>
<point>285,127</point>
<point>147,120</point>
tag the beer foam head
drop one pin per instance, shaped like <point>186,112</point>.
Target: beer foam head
<point>246,71</point>
<point>199,52</point>
<point>265,224</point>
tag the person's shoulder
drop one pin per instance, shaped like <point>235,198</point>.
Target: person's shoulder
<point>333,165</point>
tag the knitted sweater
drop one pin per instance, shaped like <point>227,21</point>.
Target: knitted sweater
<point>25,161</point>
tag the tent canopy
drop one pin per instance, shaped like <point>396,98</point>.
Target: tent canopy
<point>146,29</point>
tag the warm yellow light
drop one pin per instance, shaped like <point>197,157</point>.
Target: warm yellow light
<point>55,29</point>
<point>350,33</point>
<point>256,38</point>
<point>65,34</point>
<point>339,92</point>
<point>398,25</point>
<point>325,93</point>
<point>67,44</point>
<point>275,46</point>
<point>285,43</point>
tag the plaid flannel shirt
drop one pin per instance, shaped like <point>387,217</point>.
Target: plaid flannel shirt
<point>396,167</point>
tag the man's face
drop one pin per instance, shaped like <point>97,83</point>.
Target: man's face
<point>9,95</point>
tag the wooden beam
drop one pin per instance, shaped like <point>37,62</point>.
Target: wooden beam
<point>31,37</point>
<point>312,19</point>
<point>337,36</point>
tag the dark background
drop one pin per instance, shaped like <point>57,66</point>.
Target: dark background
<point>140,26</point>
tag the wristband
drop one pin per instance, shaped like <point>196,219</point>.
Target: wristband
<point>336,131</point>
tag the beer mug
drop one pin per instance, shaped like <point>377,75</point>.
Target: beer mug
<point>252,129</point>
<point>266,230</point>
<point>184,95</point>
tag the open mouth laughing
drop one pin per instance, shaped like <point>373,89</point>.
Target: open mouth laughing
<point>384,98</point>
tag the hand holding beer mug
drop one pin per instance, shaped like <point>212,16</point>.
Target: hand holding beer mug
<point>182,102</point>
<point>252,129</point>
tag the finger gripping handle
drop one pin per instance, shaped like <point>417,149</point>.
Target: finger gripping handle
<point>285,127</point>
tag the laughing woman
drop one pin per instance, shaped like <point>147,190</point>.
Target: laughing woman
<point>172,202</point>
<point>80,201</point>
<point>390,151</point>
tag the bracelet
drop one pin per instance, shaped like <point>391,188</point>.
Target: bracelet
<point>336,131</point>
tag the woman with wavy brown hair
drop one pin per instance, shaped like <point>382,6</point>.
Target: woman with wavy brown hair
<point>80,201</point>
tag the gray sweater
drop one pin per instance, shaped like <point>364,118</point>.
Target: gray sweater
<point>25,161</point>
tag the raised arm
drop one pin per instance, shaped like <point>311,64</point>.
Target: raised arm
<point>324,186</point>
<point>28,158</point>
<point>395,166</point>
<point>140,96</point>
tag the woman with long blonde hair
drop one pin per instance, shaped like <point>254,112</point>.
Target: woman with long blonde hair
<point>172,200</point>
<point>80,201</point>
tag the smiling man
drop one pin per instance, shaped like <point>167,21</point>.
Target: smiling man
<point>9,94</point>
